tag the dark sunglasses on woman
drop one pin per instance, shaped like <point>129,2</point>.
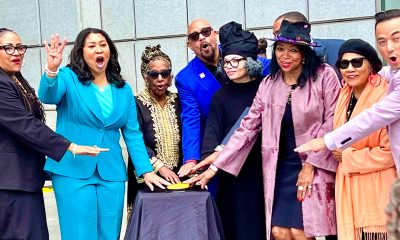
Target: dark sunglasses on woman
<point>154,74</point>
<point>194,36</point>
<point>355,62</point>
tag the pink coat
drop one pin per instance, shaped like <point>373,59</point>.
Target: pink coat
<point>312,109</point>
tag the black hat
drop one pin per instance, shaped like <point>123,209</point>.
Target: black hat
<point>363,48</point>
<point>235,40</point>
<point>295,33</point>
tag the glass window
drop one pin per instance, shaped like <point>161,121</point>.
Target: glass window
<point>390,4</point>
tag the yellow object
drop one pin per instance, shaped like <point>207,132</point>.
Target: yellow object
<point>47,189</point>
<point>178,186</point>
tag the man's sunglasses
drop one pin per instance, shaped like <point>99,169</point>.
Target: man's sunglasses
<point>154,74</point>
<point>355,62</point>
<point>194,36</point>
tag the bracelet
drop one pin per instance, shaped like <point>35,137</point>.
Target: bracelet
<point>49,73</point>
<point>193,161</point>
<point>74,150</point>
<point>219,148</point>
<point>213,167</point>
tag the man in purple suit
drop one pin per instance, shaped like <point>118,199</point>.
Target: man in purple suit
<point>384,113</point>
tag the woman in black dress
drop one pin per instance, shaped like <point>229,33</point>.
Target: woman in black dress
<point>158,116</point>
<point>239,199</point>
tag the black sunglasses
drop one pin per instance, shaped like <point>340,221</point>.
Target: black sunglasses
<point>10,49</point>
<point>164,73</point>
<point>194,36</point>
<point>355,62</point>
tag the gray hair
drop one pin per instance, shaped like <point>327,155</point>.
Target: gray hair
<point>254,68</point>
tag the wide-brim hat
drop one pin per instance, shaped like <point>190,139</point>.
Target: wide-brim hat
<point>295,33</point>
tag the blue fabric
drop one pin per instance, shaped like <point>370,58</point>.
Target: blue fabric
<point>89,208</point>
<point>196,85</point>
<point>104,96</point>
<point>328,50</point>
<point>265,63</point>
<point>80,119</point>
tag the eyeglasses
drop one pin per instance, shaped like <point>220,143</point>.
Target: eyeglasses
<point>194,36</point>
<point>10,49</point>
<point>355,62</point>
<point>164,74</point>
<point>233,62</point>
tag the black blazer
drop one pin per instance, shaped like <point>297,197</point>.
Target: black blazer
<point>24,141</point>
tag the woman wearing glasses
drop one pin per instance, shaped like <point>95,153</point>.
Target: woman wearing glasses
<point>366,170</point>
<point>24,142</point>
<point>158,116</point>
<point>236,194</point>
<point>293,104</point>
<point>94,104</point>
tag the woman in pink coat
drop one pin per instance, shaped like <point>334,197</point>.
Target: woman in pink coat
<point>294,104</point>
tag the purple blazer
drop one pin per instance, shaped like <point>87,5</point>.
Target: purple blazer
<point>381,114</point>
<point>312,109</point>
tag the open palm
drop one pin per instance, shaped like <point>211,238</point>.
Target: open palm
<point>54,52</point>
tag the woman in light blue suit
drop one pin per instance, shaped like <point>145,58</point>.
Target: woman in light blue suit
<point>93,104</point>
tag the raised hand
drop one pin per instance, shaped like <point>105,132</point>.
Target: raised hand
<point>151,178</point>
<point>54,52</point>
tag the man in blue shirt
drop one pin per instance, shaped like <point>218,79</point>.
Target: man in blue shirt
<point>196,84</point>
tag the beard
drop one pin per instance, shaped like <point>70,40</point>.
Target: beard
<point>208,55</point>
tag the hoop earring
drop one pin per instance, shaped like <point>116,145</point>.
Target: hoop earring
<point>374,81</point>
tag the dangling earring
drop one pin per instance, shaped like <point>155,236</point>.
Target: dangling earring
<point>304,61</point>
<point>374,80</point>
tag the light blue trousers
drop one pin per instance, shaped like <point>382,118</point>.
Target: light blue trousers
<point>89,208</point>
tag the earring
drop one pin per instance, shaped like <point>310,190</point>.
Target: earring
<point>303,62</point>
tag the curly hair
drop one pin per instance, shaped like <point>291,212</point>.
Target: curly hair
<point>79,66</point>
<point>393,212</point>
<point>253,67</point>
<point>150,54</point>
<point>310,66</point>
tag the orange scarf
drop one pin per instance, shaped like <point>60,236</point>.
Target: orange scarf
<point>366,173</point>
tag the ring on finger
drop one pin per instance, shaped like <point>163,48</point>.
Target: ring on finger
<point>300,188</point>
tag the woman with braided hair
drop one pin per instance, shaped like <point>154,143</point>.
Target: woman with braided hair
<point>158,116</point>
<point>24,142</point>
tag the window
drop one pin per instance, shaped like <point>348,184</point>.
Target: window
<point>390,4</point>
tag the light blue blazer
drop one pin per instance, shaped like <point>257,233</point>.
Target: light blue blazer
<point>79,119</point>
